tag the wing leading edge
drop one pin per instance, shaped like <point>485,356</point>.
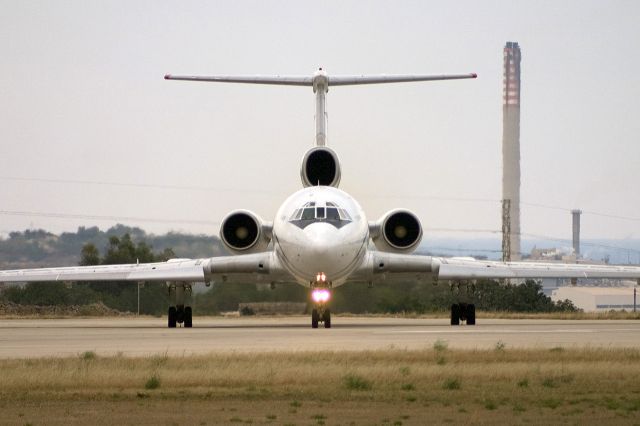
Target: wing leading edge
<point>223,268</point>
<point>397,266</point>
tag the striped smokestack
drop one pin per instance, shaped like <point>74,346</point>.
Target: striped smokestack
<point>511,141</point>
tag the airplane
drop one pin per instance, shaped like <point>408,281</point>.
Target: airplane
<point>320,237</point>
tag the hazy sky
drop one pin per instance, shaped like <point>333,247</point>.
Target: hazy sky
<point>82,98</point>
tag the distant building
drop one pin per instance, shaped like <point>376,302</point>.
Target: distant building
<point>551,254</point>
<point>595,299</point>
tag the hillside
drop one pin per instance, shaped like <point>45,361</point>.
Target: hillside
<point>39,248</point>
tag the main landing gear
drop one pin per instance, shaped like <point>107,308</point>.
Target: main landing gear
<point>180,314</point>
<point>463,312</point>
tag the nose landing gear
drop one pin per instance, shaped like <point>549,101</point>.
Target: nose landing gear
<point>321,313</point>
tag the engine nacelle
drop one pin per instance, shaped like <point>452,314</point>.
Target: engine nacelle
<point>243,231</point>
<point>320,167</point>
<point>397,231</point>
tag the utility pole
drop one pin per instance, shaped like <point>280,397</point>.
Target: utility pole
<point>140,284</point>
<point>506,230</point>
<point>575,225</point>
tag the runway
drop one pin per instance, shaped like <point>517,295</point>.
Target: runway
<point>30,338</point>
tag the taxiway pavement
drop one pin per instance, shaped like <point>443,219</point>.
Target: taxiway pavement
<point>131,336</point>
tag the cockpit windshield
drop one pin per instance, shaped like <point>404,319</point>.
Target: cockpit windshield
<point>311,213</point>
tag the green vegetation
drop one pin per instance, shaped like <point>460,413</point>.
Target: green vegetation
<point>122,244</point>
<point>451,384</point>
<point>152,383</point>
<point>39,248</point>
<point>117,295</point>
<point>396,298</point>
<point>356,382</point>
<point>88,355</point>
<point>589,386</point>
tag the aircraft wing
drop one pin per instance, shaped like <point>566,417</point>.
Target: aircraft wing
<point>173,270</point>
<point>250,268</point>
<point>456,268</point>
<point>381,265</point>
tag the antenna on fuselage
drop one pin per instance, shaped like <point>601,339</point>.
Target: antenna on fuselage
<point>320,82</point>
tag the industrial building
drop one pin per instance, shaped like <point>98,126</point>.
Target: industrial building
<point>597,299</point>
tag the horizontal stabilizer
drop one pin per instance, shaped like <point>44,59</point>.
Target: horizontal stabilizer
<point>349,80</point>
<point>252,79</point>
<point>345,80</point>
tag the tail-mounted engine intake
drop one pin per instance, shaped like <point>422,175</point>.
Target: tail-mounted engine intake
<point>243,231</point>
<point>320,167</point>
<point>397,231</point>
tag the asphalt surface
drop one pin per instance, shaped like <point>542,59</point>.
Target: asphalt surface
<point>30,338</point>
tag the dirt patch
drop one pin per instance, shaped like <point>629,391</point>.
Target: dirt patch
<point>272,308</point>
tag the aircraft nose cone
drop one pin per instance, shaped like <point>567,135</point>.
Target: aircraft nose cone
<point>321,237</point>
<point>322,240</point>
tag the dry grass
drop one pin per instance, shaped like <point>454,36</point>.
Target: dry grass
<point>542,386</point>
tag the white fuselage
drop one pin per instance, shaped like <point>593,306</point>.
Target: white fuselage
<point>320,230</point>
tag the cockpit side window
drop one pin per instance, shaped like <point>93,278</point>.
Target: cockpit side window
<point>344,215</point>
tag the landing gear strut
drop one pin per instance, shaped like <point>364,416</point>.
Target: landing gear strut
<point>180,314</point>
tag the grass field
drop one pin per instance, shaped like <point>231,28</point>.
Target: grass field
<point>390,387</point>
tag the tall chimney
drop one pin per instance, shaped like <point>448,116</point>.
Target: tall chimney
<point>575,215</point>
<point>511,141</point>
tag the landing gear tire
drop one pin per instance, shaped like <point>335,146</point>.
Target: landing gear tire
<point>315,318</point>
<point>471,314</point>
<point>188,323</point>
<point>326,318</point>
<point>180,314</point>
<point>173,314</point>
<point>455,314</point>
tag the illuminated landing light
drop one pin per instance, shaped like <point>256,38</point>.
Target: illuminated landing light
<point>321,277</point>
<point>320,295</point>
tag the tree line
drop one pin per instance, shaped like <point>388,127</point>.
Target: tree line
<point>410,297</point>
